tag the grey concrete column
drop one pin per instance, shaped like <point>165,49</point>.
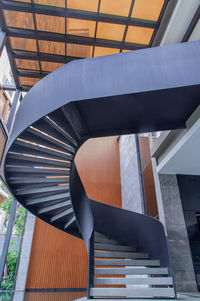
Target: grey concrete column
<point>171,214</point>
<point>24,258</point>
<point>130,178</point>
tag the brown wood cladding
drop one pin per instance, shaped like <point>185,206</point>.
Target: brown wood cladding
<point>59,260</point>
<point>148,180</point>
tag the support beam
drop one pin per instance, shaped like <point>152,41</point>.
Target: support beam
<point>3,38</point>
<point>32,74</point>
<point>13,111</point>
<point>45,57</point>
<point>72,39</point>
<point>75,14</point>
<point>192,25</point>
<point>9,88</point>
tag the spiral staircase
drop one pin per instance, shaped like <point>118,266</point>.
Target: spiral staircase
<point>141,91</point>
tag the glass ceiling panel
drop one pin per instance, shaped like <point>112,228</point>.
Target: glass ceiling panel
<point>83,51</point>
<point>110,31</point>
<point>116,7</point>
<point>80,27</point>
<point>147,9</point>
<point>100,51</point>
<point>59,3</point>
<point>50,23</point>
<point>27,64</point>
<point>23,44</point>
<point>52,47</point>
<point>89,5</point>
<point>18,19</point>
<point>48,66</point>
<point>29,81</point>
<point>140,35</point>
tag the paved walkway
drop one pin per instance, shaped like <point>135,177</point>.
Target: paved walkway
<point>180,296</point>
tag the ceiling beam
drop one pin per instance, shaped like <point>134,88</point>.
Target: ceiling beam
<point>34,56</point>
<point>74,13</point>
<point>71,39</point>
<point>32,74</point>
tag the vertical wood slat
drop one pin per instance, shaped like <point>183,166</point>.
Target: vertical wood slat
<point>59,260</point>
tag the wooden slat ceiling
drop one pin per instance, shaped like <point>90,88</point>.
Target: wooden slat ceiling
<point>45,34</point>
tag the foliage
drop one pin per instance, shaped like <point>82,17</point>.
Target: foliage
<point>11,262</point>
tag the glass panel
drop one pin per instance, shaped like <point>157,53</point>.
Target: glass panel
<point>110,31</point>
<point>52,47</point>
<point>19,19</point>
<point>23,44</point>
<point>140,35</point>
<point>60,3</point>
<point>100,51</point>
<point>27,64</point>
<point>47,66</point>
<point>29,81</point>
<point>79,50</point>
<point>89,5</point>
<point>50,23</point>
<point>81,27</point>
<point>117,7</point>
<point>149,10</point>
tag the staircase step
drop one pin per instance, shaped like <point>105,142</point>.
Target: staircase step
<point>38,159</point>
<point>107,241</point>
<point>127,262</point>
<point>100,246</point>
<point>37,136</point>
<point>31,180</point>
<point>133,292</point>
<point>54,207</point>
<point>54,197</point>
<point>131,271</point>
<point>69,222</point>
<point>61,214</point>
<point>128,255</point>
<point>38,170</point>
<point>135,281</point>
<point>43,149</point>
<point>42,189</point>
<point>69,120</point>
<point>52,122</point>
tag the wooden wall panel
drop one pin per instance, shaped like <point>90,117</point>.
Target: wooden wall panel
<point>59,260</point>
<point>148,180</point>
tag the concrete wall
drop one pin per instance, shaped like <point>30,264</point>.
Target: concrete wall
<point>171,214</point>
<point>130,180</point>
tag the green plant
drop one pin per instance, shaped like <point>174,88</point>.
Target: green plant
<point>11,262</point>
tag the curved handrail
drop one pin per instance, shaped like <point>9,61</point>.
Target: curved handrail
<point>122,97</point>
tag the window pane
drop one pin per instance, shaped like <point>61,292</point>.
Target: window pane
<point>27,64</point>
<point>149,10</point>
<point>28,81</point>
<point>140,35</point>
<point>19,19</point>
<point>50,23</point>
<point>52,47</point>
<point>49,66</point>
<point>89,5</point>
<point>117,7</point>
<point>81,27</point>
<point>23,44</point>
<point>100,51</point>
<point>60,3</point>
<point>110,31</point>
<point>79,50</point>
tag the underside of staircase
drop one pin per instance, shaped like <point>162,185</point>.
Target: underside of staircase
<point>141,91</point>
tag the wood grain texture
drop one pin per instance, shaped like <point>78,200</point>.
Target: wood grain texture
<point>59,260</point>
<point>148,180</point>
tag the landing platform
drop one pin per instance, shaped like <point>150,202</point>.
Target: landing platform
<point>180,296</point>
